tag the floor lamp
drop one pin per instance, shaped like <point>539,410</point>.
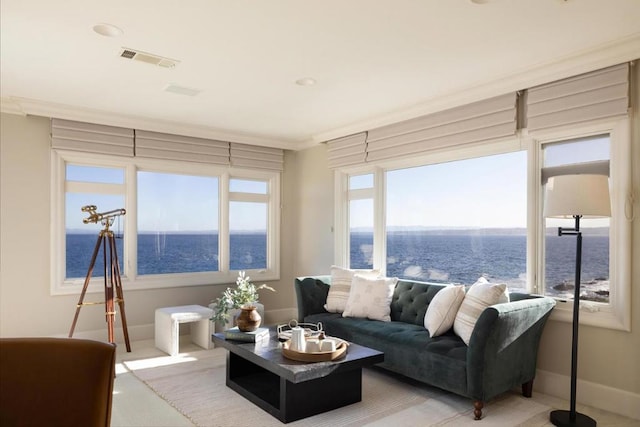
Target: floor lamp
<point>576,196</point>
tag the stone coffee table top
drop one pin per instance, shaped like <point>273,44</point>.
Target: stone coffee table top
<point>267,353</point>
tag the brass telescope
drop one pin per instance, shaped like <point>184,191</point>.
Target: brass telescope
<point>111,272</point>
<point>101,217</point>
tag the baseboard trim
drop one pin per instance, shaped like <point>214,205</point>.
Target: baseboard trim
<point>147,332</point>
<point>589,393</point>
<point>136,333</point>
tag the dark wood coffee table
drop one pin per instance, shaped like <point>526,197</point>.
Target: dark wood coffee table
<point>291,390</point>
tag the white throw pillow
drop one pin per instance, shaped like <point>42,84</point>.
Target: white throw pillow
<point>480,295</point>
<point>442,310</point>
<point>370,298</point>
<point>341,285</point>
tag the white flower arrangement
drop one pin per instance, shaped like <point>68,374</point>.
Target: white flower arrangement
<point>242,296</point>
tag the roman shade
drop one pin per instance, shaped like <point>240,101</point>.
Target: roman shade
<point>256,157</point>
<point>176,147</point>
<point>91,138</point>
<point>485,120</point>
<point>347,151</point>
<point>102,139</point>
<point>602,94</point>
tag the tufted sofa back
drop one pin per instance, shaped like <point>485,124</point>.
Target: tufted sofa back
<point>411,299</point>
<point>409,302</point>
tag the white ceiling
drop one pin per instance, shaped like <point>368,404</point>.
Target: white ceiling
<point>375,61</point>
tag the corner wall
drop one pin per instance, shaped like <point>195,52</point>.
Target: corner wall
<point>315,213</point>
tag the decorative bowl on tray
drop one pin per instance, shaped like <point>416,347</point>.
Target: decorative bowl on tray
<point>310,330</point>
<point>315,356</point>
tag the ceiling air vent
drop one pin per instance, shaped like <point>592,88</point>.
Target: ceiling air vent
<point>149,58</point>
<point>181,90</point>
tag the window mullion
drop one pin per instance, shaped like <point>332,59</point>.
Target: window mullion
<point>535,228</point>
<point>94,187</point>
<point>58,241</point>
<point>620,236</point>
<point>224,246</point>
<point>131,224</point>
<point>379,221</point>
<point>341,215</point>
<point>273,223</point>
<point>248,197</point>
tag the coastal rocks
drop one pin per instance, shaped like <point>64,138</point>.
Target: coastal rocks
<point>564,286</point>
<point>596,290</point>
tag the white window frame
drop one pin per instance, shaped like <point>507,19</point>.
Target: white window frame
<point>617,313</point>
<point>130,280</point>
<point>379,169</point>
<point>614,315</point>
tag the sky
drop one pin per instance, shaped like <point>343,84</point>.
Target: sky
<point>167,202</point>
<point>484,192</point>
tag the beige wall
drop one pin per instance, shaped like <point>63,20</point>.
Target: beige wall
<point>314,236</point>
<point>26,306</point>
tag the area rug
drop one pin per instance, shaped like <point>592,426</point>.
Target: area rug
<point>195,386</point>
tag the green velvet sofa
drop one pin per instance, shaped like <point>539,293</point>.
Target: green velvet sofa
<point>501,354</point>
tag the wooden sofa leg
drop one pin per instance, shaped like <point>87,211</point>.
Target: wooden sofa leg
<point>527,388</point>
<point>477,412</point>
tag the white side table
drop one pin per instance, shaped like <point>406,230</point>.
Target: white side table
<point>167,327</point>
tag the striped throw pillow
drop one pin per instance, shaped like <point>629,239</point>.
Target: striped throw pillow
<point>341,279</point>
<point>480,295</point>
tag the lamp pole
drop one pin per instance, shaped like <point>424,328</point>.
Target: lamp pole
<point>572,418</point>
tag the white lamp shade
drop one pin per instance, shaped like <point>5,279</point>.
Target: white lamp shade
<point>585,195</point>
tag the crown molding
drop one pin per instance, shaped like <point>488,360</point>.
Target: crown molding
<point>26,106</point>
<point>605,55</point>
<point>10,106</point>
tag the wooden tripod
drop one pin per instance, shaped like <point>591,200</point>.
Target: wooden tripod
<point>112,281</point>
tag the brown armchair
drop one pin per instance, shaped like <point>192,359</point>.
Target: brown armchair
<point>56,382</point>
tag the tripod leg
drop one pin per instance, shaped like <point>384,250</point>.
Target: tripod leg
<point>120,295</point>
<point>86,283</point>
<point>108,290</point>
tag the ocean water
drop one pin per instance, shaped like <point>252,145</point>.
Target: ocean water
<point>425,256</point>
<point>170,253</point>
<point>463,258</point>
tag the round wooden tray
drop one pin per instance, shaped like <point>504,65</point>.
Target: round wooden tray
<point>316,356</point>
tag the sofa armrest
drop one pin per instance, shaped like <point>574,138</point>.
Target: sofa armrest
<point>503,347</point>
<point>311,295</point>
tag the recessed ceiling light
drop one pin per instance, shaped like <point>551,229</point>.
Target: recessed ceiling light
<point>480,1</point>
<point>108,30</point>
<point>306,81</point>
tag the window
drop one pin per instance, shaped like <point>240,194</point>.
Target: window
<point>436,217</point>
<point>361,221</point>
<point>89,185</point>
<point>454,222</point>
<point>248,219</point>
<point>185,223</point>
<point>606,260</point>
<point>451,216</point>
<point>177,223</point>
<point>577,156</point>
